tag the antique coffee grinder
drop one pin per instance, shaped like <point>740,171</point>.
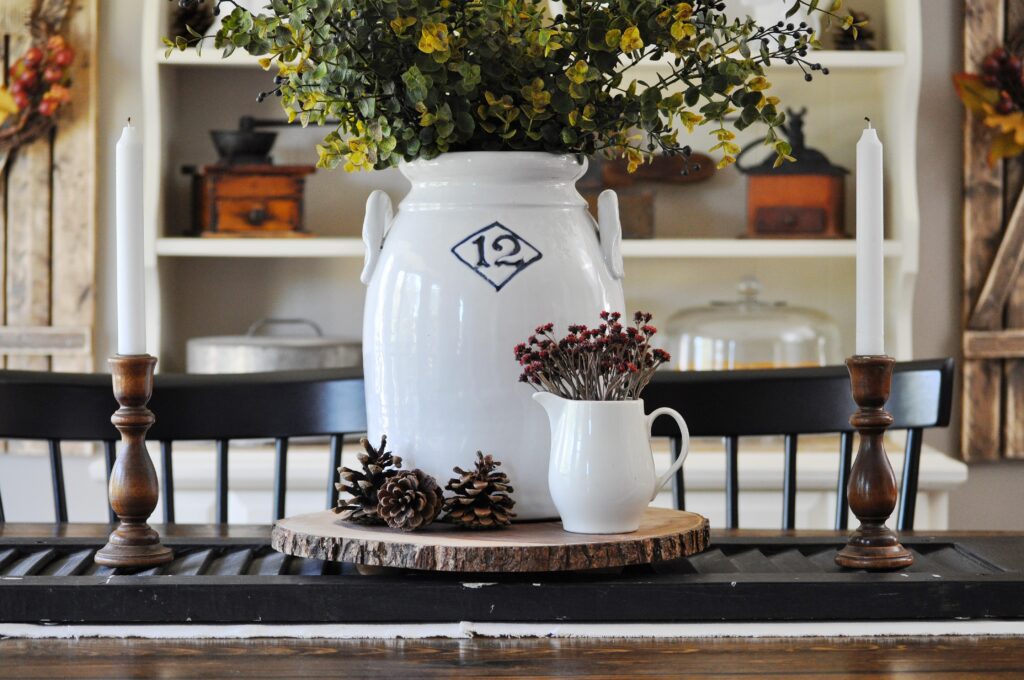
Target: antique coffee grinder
<point>244,193</point>
<point>795,200</point>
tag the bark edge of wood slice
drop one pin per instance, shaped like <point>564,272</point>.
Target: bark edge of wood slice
<point>523,547</point>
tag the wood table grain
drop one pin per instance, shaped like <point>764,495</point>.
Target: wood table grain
<point>933,657</point>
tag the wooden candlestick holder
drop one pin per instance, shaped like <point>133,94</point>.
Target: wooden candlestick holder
<point>872,488</point>
<point>133,487</point>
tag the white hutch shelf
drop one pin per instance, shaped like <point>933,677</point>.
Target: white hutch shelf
<point>649,249</point>
<point>190,279</point>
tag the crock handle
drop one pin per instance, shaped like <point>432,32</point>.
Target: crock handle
<point>610,230</point>
<point>379,213</point>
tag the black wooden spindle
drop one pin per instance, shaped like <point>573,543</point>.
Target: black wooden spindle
<point>845,461</point>
<point>222,481</point>
<point>280,476</point>
<point>908,487</point>
<point>333,463</point>
<point>678,481</point>
<point>2,518</point>
<point>789,484</point>
<point>732,482</point>
<point>167,480</point>
<point>60,501</point>
<point>109,458</point>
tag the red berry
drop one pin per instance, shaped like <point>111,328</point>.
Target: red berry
<point>29,78</point>
<point>21,100</point>
<point>34,56</point>
<point>47,107</point>
<point>990,65</point>
<point>1004,106</point>
<point>64,57</point>
<point>53,74</point>
<point>998,53</point>
<point>17,87</point>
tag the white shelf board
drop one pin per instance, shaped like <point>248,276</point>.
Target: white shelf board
<point>184,246</point>
<point>682,248</point>
<point>728,248</point>
<point>832,59</point>
<point>210,56</point>
<point>838,60</point>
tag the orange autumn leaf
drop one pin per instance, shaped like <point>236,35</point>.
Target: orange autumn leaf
<point>973,92</point>
<point>8,107</point>
<point>1011,124</point>
<point>1003,146</point>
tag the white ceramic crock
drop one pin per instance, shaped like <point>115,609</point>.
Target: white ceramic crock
<point>485,246</point>
<point>601,471</point>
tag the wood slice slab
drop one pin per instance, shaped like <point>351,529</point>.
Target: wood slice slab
<point>523,547</point>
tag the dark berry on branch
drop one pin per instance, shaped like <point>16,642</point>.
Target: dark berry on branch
<point>808,77</point>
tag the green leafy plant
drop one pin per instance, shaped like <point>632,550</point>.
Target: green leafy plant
<point>397,80</point>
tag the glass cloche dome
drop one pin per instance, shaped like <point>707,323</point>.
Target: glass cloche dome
<point>751,334</point>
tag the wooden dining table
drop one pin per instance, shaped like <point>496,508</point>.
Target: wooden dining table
<point>755,604</point>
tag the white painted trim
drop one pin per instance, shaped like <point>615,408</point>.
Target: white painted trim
<point>469,629</point>
<point>660,248</point>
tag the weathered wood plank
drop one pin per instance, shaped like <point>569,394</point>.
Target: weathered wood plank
<point>1005,269</point>
<point>5,19</point>
<point>28,244</point>
<point>981,429</point>
<point>53,340</point>
<point>1013,369</point>
<point>28,233</point>
<point>74,193</point>
<point>994,344</point>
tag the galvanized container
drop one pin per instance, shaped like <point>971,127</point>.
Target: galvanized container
<point>254,352</point>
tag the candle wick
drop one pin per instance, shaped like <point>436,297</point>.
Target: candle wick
<point>869,122</point>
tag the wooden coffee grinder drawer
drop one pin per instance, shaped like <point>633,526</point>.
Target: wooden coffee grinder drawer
<point>250,200</point>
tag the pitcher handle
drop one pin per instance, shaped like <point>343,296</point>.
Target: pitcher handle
<point>684,448</point>
<point>379,213</point>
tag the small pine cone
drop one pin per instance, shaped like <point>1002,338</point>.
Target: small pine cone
<point>481,499</point>
<point>409,500</point>
<point>378,466</point>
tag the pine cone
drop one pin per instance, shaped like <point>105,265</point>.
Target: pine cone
<point>481,499</point>
<point>378,467</point>
<point>409,500</point>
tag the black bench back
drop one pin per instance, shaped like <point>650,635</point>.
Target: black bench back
<point>791,402</point>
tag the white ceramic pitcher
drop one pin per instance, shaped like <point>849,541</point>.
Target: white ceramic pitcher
<point>601,470</point>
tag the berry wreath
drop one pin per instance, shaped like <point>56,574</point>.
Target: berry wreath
<point>39,81</point>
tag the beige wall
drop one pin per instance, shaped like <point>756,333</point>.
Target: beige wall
<point>994,496</point>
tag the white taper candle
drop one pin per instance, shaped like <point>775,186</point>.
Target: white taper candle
<point>870,229</point>
<point>131,296</point>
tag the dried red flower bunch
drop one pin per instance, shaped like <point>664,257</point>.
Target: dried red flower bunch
<point>611,362</point>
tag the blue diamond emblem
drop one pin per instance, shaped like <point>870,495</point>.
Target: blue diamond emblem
<point>496,253</point>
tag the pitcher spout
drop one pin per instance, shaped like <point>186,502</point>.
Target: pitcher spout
<point>553,405</point>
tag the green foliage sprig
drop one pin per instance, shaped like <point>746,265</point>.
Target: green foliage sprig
<point>405,79</point>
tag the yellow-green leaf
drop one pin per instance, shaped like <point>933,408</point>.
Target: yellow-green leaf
<point>631,40</point>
